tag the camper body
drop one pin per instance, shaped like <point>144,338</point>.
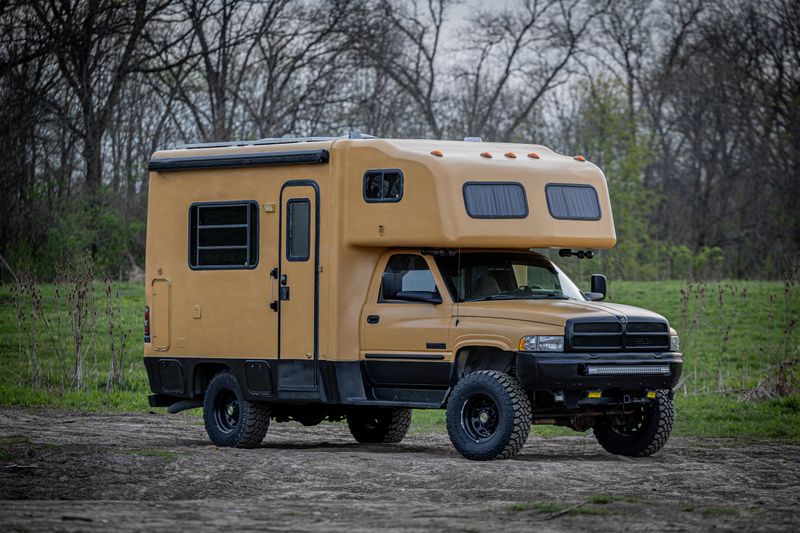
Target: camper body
<point>353,278</point>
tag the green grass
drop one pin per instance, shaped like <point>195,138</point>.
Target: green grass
<point>712,512</point>
<point>557,507</point>
<point>604,499</point>
<point>753,316</point>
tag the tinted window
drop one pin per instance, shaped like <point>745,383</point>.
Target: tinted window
<point>495,200</point>
<point>223,235</point>
<point>573,202</point>
<point>383,185</point>
<point>298,229</point>
<point>413,272</point>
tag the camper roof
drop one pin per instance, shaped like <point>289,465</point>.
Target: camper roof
<point>448,193</point>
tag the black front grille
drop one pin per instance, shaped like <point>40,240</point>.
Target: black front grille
<point>597,327</point>
<point>634,335</point>
<point>646,327</point>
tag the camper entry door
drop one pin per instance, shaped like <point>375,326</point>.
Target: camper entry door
<point>298,287</point>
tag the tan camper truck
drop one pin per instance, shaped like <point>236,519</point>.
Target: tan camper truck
<point>358,278</point>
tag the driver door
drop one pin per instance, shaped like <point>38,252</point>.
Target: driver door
<point>398,337</point>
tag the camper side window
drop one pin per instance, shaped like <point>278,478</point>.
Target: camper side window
<point>383,185</point>
<point>568,201</point>
<point>223,235</point>
<point>406,273</point>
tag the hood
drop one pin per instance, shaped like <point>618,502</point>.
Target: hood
<point>553,312</point>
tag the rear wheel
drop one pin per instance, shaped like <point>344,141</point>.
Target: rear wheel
<point>488,416</point>
<point>642,433</point>
<point>379,425</point>
<point>230,420</point>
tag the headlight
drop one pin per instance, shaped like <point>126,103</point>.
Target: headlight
<point>542,343</point>
<point>674,343</point>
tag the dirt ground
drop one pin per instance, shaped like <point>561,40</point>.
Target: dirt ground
<point>79,472</point>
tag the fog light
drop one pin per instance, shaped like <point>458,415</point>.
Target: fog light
<point>542,343</point>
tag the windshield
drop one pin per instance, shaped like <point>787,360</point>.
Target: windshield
<point>473,276</point>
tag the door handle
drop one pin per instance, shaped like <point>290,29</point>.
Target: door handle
<point>373,319</point>
<point>284,280</point>
<point>273,303</point>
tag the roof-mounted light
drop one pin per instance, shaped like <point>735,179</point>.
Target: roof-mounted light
<point>579,158</point>
<point>437,153</point>
<point>486,155</point>
<point>533,155</point>
<point>511,155</point>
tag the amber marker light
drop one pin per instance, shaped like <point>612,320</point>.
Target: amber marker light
<point>579,158</point>
<point>437,153</point>
<point>533,155</point>
<point>486,154</point>
<point>511,155</point>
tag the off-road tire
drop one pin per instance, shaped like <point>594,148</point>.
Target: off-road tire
<point>379,425</point>
<point>513,408</point>
<point>655,429</point>
<point>252,420</point>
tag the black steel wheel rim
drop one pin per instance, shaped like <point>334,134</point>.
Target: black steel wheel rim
<point>633,425</point>
<point>480,417</point>
<point>226,411</point>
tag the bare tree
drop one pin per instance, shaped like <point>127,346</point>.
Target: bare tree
<point>94,45</point>
<point>520,55</point>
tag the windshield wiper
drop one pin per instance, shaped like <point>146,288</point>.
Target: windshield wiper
<point>550,297</point>
<point>493,297</point>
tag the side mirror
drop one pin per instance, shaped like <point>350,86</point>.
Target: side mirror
<point>391,283</point>
<point>599,288</point>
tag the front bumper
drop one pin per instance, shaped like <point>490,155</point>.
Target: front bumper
<point>582,371</point>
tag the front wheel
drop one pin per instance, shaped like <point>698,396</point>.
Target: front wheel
<point>230,420</point>
<point>488,416</point>
<point>642,433</point>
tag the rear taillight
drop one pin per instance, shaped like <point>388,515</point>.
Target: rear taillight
<point>147,323</point>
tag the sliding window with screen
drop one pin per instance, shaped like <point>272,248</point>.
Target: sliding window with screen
<point>572,202</point>
<point>495,200</point>
<point>223,235</point>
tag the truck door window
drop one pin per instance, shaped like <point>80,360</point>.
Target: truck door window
<point>298,230</point>
<point>223,235</point>
<point>412,273</point>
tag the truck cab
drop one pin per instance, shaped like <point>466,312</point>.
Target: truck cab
<point>358,279</point>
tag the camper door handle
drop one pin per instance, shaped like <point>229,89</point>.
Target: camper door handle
<point>373,319</point>
<point>284,279</point>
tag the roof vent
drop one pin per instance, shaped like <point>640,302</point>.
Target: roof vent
<point>473,140</point>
